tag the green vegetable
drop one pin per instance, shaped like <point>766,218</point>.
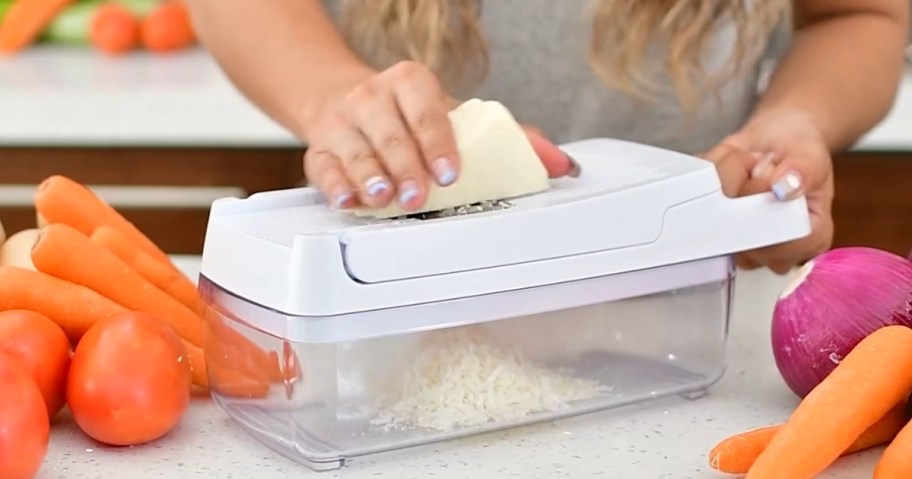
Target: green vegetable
<point>140,8</point>
<point>4,6</point>
<point>72,25</point>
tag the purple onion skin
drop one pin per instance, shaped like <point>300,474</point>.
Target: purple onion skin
<point>848,294</point>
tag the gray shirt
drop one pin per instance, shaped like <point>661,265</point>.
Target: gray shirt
<point>539,70</point>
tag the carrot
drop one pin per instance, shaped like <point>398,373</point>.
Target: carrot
<point>226,381</point>
<point>168,28</point>
<point>114,29</point>
<point>163,275</point>
<point>231,383</point>
<point>896,461</point>
<point>735,454</point>
<point>74,307</point>
<point>233,347</point>
<point>64,252</point>
<point>62,200</point>
<point>25,20</point>
<point>197,360</point>
<point>872,379</point>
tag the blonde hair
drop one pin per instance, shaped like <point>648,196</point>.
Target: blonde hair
<point>446,35</point>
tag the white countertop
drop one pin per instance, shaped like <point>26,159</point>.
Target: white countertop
<point>667,438</point>
<point>58,96</point>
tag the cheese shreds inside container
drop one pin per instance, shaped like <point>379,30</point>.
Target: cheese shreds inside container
<point>459,380</point>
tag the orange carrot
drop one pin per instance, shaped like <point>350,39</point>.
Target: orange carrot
<point>62,200</point>
<point>163,275</point>
<point>74,307</point>
<point>197,365</point>
<point>25,20</point>
<point>232,347</point>
<point>896,461</point>
<point>114,29</point>
<point>735,454</point>
<point>168,27</point>
<point>872,379</point>
<point>225,380</point>
<point>229,382</point>
<point>64,252</point>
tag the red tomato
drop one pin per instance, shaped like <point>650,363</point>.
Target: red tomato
<point>168,27</point>
<point>129,381</point>
<point>114,29</point>
<point>24,423</point>
<point>44,350</point>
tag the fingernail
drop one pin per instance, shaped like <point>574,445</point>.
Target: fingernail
<point>788,186</point>
<point>375,185</point>
<point>443,170</point>
<point>340,198</point>
<point>408,191</point>
<point>764,167</point>
<point>575,168</point>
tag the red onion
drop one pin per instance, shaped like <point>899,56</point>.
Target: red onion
<point>835,301</point>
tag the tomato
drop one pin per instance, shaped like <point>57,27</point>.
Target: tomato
<point>114,29</point>
<point>44,350</point>
<point>129,380</point>
<point>24,422</point>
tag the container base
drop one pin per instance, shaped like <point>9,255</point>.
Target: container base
<point>319,448</point>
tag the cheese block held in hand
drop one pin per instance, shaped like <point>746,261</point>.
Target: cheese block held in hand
<point>17,251</point>
<point>498,162</point>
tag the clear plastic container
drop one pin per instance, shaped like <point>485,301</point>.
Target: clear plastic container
<point>328,389</point>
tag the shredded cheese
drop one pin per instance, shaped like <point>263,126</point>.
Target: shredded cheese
<point>458,380</point>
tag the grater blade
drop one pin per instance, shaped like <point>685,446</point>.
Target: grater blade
<point>480,207</point>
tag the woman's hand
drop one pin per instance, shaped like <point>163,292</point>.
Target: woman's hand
<point>388,137</point>
<point>782,152</point>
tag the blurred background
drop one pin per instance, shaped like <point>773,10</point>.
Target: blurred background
<point>122,98</point>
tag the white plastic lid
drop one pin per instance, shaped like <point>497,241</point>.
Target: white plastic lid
<point>633,207</point>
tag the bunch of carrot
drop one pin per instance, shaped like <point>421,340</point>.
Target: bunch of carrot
<point>861,404</point>
<point>88,262</point>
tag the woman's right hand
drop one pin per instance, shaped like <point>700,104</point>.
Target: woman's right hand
<point>388,137</point>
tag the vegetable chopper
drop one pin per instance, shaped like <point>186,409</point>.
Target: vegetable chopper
<point>333,336</point>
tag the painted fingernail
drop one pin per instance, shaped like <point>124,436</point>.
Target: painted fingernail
<point>765,166</point>
<point>408,191</point>
<point>376,185</point>
<point>575,168</point>
<point>444,171</point>
<point>788,186</point>
<point>340,198</point>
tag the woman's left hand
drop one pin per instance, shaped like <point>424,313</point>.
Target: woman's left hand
<point>782,152</point>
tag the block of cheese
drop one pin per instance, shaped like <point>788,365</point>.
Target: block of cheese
<point>498,162</point>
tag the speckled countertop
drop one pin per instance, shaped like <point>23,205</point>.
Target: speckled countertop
<point>666,438</point>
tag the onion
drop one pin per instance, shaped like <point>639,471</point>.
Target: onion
<point>835,301</point>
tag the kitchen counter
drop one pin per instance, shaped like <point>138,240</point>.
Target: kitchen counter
<point>666,438</point>
<point>76,97</point>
